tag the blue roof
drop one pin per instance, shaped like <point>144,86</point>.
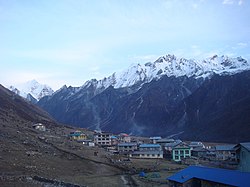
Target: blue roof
<point>149,145</point>
<point>127,144</point>
<point>225,147</point>
<point>223,176</point>
<point>155,138</point>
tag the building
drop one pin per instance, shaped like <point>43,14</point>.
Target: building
<point>243,155</point>
<point>199,152</point>
<point>196,144</point>
<point>164,141</point>
<point>123,137</point>
<point>209,177</point>
<point>148,151</point>
<point>225,152</point>
<point>147,154</point>
<point>77,135</point>
<point>150,147</point>
<point>126,147</point>
<point>39,126</point>
<point>114,140</point>
<point>170,145</point>
<point>181,151</point>
<point>103,139</point>
<point>154,139</point>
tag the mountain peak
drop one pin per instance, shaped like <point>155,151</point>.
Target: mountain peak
<point>32,87</point>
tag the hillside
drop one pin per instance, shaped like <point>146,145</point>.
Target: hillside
<point>30,157</point>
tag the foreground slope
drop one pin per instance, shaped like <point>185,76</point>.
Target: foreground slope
<point>29,157</point>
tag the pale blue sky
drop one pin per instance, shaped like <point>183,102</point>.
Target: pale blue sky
<point>61,42</point>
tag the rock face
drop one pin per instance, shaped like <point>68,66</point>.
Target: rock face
<point>170,97</point>
<point>33,91</point>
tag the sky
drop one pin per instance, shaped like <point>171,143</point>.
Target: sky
<point>58,42</point>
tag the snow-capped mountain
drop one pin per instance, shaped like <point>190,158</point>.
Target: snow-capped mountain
<point>32,90</point>
<point>170,65</point>
<point>169,96</point>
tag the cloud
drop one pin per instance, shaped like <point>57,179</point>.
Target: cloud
<point>231,2</point>
<point>228,2</point>
<point>241,44</point>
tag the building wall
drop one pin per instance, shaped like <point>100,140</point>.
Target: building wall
<point>197,183</point>
<point>127,148</point>
<point>150,148</point>
<point>147,155</point>
<point>178,154</point>
<point>244,164</point>
<point>103,139</point>
<point>224,155</point>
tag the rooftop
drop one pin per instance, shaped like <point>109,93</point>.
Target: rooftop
<point>223,176</point>
<point>127,144</point>
<point>155,138</point>
<point>224,147</point>
<point>172,144</point>
<point>246,145</point>
<point>149,145</point>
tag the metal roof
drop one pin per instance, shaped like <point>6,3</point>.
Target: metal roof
<point>149,145</point>
<point>126,144</point>
<point>224,147</point>
<point>223,176</point>
<point>165,140</point>
<point>246,145</point>
<point>200,149</point>
<point>155,138</point>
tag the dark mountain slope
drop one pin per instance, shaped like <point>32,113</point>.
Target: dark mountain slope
<point>214,109</point>
<point>124,109</point>
<point>14,105</point>
<point>218,110</point>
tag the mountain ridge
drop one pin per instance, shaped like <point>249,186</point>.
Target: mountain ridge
<point>156,107</point>
<point>170,65</point>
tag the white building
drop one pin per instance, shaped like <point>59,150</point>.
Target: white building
<point>103,139</point>
<point>148,151</point>
<point>126,147</point>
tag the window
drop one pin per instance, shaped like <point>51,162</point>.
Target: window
<point>176,152</point>
<point>187,152</point>
<point>176,158</point>
<point>181,152</point>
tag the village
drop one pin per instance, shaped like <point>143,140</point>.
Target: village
<point>215,158</point>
